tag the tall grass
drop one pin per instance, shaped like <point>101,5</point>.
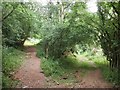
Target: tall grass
<point>11,60</point>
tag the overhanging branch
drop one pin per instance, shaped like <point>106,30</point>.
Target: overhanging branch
<point>9,13</point>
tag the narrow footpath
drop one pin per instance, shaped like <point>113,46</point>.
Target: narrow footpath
<point>30,75</point>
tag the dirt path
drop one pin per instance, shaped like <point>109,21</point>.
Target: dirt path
<point>31,76</point>
<point>94,79</point>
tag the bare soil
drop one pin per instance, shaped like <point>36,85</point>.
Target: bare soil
<point>30,75</point>
<point>93,79</point>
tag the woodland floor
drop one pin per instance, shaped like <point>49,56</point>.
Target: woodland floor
<point>30,75</point>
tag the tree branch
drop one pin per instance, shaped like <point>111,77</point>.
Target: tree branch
<point>67,6</point>
<point>115,25</point>
<point>114,8</point>
<point>9,13</point>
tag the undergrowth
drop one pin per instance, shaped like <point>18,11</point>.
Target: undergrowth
<point>11,60</point>
<point>63,70</point>
<point>68,66</point>
<point>102,63</point>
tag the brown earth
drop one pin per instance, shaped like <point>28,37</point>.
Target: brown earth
<point>30,76</point>
<point>94,79</point>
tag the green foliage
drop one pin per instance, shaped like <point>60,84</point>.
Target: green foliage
<point>51,67</point>
<point>11,60</point>
<point>111,76</point>
<point>19,22</point>
<point>62,36</point>
<point>60,27</point>
<point>7,82</point>
<point>65,67</point>
<point>109,29</point>
<point>53,40</point>
<point>59,70</point>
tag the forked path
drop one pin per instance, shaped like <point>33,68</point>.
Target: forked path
<point>30,76</point>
